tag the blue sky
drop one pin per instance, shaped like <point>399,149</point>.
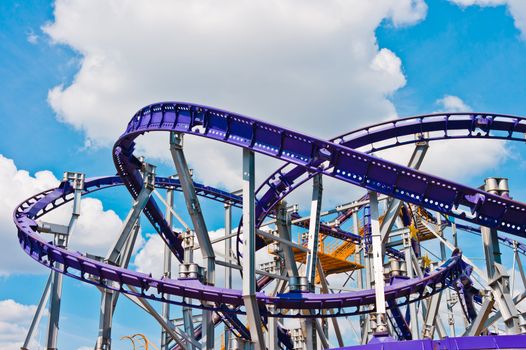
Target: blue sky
<point>395,61</point>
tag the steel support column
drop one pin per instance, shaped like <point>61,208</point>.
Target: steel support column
<point>188,320</point>
<point>411,274</point>
<point>393,206</point>
<point>228,270</point>
<point>120,253</point>
<point>77,180</point>
<point>378,266</point>
<point>314,228</point>
<point>477,326</point>
<point>167,268</point>
<point>312,255</point>
<point>431,316</point>
<point>201,231</point>
<point>249,251</point>
<point>498,279</point>
<point>283,226</point>
<point>38,313</point>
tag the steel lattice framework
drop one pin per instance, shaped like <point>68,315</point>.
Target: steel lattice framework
<point>349,158</point>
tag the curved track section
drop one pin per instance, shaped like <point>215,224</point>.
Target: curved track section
<point>338,158</point>
<point>398,133</point>
<point>105,275</point>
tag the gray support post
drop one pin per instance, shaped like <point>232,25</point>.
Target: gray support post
<point>272,338</point>
<point>411,274</point>
<point>431,316</point>
<point>393,206</point>
<point>325,289</point>
<point>312,255</point>
<point>314,228</point>
<point>497,186</point>
<point>378,266</point>
<point>497,277</point>
<point>188,321</point>
<point>62,241</point>
<point>167,267</point>
<point>437,321</point>
<point>477,326</point>
<point>228,254</point>
<point>172,331</point>
<point>249,250</point>
<point>194,209</point>
<point>488,235</point>
<point>38,313</point>
<point>283,226</point>
<point>120,254</point>
<point>500,287</point>
<point>361,279</point>
<point>192,203</point>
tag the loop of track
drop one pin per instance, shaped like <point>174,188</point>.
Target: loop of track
<point>307,156</point>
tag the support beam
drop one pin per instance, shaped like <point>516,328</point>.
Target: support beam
<point>120,253</point>
<point>408,250</point>
<point>172,331</point>
<point>361,280</point>
<point>497,277</point>
<point>314,228</point>
<point>192,203</point>
<point>420,274</point>
<point>431,316</point>
<point>393,206</point>
<point>38,313</point>
<point>167,268</point>
<point>283,226</point>
<point>201,231</point>
<point>497,315</point>
<point>477,326</point>
<point>77,181</point>
<point>249,250</point>
<point>378,266</point>
<point>311,325</point>
<point>188,323</point>
<point>228,270</point>
<point>334,320</point>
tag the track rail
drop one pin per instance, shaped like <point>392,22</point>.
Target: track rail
<point>105,275</point>
<point>304,157</point>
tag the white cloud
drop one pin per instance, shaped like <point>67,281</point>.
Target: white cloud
<point>95,231</point>
<point>32,38</point>
<point>517,9</point>
<point>451,103</point>
<point>14,322</point>
<point>310,66</point>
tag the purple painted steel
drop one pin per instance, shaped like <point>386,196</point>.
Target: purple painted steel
<point>308,156</point>
<point>95,272</point>
<point>502,342</point>
<point>443,127</point>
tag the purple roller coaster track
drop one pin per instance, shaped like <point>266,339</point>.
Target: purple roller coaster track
<point>398,296</point>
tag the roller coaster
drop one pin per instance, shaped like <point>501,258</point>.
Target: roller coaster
<point>394,289</point>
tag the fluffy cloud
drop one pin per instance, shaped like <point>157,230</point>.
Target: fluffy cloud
<point>517,9</point>
<point>14,322</point>
<point>95,231</point>
<point>312,66</point>
<point>451,103</point>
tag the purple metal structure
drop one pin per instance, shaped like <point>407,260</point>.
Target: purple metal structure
<point>347,158</point>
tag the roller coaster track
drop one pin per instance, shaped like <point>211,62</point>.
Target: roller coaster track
<point>306,156</point>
